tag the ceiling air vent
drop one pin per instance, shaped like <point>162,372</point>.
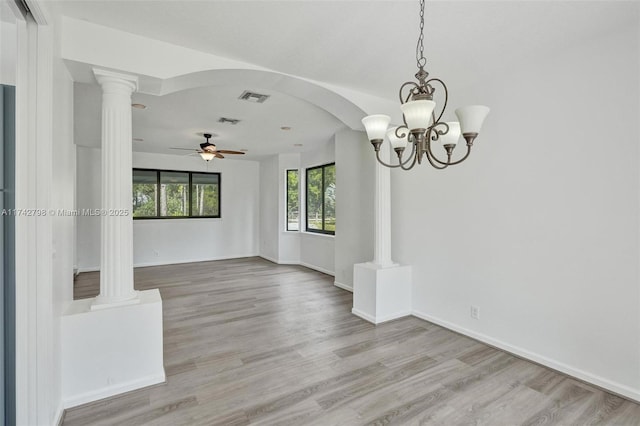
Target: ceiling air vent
<point>253,97</point>
<point>228,120</point>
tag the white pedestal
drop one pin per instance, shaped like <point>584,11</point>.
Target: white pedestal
<point>381,293</point>
<point>111,350</point>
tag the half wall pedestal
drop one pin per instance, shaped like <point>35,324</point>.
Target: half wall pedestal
<point>381,293</point>
<point>111,350</point>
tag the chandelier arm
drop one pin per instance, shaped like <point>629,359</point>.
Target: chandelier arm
<point>412,155</point>
<point>400,133</point>
<point>463,158</point>
<point>411,92</point>
<point>446,96</point>
<point>413,163</point>
<point>436,135</point>
<point>430,137</point>
<point>431,158</point>
<point>391,166</point>
<point>449,162</point>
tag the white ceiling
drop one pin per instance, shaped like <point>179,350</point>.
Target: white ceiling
<point>365,45</point>
<point>179,120</point>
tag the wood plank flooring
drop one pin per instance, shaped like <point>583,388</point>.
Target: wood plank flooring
<point>250,342</point>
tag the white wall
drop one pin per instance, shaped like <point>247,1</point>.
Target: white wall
<point>355,173</point>
<point>317,251</point>
<point>269,208</point>
<point>539,228</point>
<point>289,247</point>
<point>157,242</point>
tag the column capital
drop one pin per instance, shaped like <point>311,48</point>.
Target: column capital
<point>104,77</point>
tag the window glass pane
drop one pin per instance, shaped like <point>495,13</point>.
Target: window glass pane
<point>330,198</point>
<point>145,191</point>
<point>205,193</point>
<point>293,209</point>
<point>174,193</point>
<point>314,198</point>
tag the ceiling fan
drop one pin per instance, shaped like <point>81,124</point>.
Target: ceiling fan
<point>208,150</point>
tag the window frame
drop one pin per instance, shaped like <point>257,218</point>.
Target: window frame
<point>286,201</point>
<point>190,216</point>
<point>306,203</point>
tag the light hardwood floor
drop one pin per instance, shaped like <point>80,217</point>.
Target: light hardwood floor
<point>250,342</point>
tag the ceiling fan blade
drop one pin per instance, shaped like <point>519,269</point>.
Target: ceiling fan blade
<point>218,155</point>
<point>185,149</point>
<point>226,151</point>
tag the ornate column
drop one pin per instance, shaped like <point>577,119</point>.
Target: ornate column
<point>116,233</point>
<point>382,213</point>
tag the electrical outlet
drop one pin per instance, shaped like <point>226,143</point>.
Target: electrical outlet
<point>475,312</point>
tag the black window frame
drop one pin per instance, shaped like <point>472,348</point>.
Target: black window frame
<point>190,216</point>
<point>286,201</point>
<point>306,201</point>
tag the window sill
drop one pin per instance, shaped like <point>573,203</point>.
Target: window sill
<point>317,234</point>
<point>173,219</point>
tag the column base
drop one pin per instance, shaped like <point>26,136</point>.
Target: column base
<point>111,351</point>
<point>105,303</point>
<point>381,293</point>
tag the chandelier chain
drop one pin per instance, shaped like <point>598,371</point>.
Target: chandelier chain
<point>420,59</point>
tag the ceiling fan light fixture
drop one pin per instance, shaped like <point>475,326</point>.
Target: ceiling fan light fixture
<point>139,106</point>
<point>207,156</point>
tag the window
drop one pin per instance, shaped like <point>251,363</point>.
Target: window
<point>293,203</point>
<point>145,193</point>
<point>175,194</point>
<point>321,199</point>
<point>205,200</point>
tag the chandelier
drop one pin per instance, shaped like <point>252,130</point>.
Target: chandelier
<point>421,128</point>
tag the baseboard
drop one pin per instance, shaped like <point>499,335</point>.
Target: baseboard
<point>59,417</point>
<point>608,385</point>
<point>288,262</point>
<point>343,286</point>
<point>87,269</point>
<point>317,268</point>
<point>362,315</point>
<point>108,391</point>
<point>172,262</point>
<point>178,262</point>
<point>270,259</point>
<point>379,320</point>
